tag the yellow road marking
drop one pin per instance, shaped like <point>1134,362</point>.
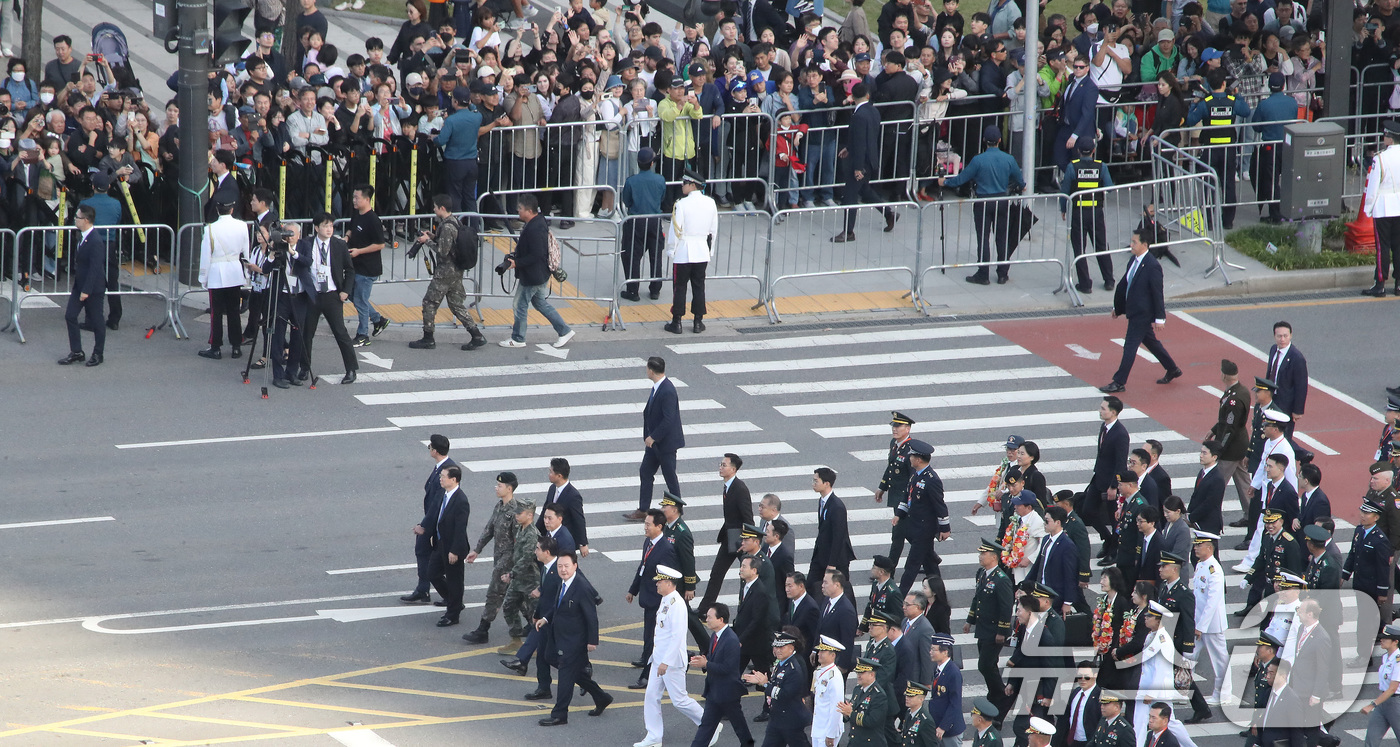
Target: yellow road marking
<point>107,735</point>
<point>615,639</point>
<point>427,693</point>
<point>496,676</point>
<point>323,707</point>
<point>1289,304</point>
<point>620,628</point>
<point>221,721</point>
<point>249,737</point>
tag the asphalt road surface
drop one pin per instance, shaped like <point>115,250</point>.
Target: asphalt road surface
<point>188,563</point>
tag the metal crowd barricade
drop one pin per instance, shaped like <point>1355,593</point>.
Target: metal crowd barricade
<point>45,255</point>
<point>736,159</point>
<point>1245,149</point>
<point>556,162</point>
<point>738,253</point>
<point>1363,140</point>
<point>960,232</point>
<point>804,247</point>
<point>589,257</point>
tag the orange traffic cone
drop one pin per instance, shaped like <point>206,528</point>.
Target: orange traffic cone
<point>1361,233</point>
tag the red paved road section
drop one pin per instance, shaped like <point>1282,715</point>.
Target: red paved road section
<point>1185,408</point>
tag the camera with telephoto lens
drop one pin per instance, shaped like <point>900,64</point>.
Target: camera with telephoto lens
<point>505,264</point>
<point>278,235</point>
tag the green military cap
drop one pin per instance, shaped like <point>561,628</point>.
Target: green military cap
<point>984,708</point>
<point>1379,467</point>
<point>1267,640</point>
<point>749,530</point>
<point>1042,591</point>
<point>1128,475</point>
<point>1316,534</point>
<point>899,418</point>
<point>1229,367</point>
<point>1170,558</point>
<point>881,617</point>
<point>1108,696</point>
<point>1264,384</point>
<point>671,499</point>
<point>866,665</point>
<point>990,546</point>
<point>914,688</point>
<point>521,505</point>
<point>509,479</point>
<point>884,563</point>
<point>1272,514</point>
<point>1013,474</point>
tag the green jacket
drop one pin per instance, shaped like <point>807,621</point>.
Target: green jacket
<point>869,716</point>
<point>685,554</point>
<point>500,527</point>
<point>524,570</point>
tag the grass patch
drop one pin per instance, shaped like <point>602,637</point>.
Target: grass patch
<point>1252,241</point>
<point>392,9</point>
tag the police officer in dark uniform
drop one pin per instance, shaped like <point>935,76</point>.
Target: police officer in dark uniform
<point>1219,111</point>
<point>894,484</point>
<point>925,513</point>
<point>996,174</point>
<point>867,710</point>
<point>785,687</point>
<point>984,729</point>
<point>1086,216</point>
<point>1278,551</point>
<point>1369,560</point>
<point>885,596</point>
<point>990,614</point>
<point>1114,729</point>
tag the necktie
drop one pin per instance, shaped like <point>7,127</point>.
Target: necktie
<point>714,641</point>
<point>1270,499</point>
<point>325,266</point>
<point>1132,270</point>
<point>562,588</point>
<point>1074,719</point>
<point>1200,477</point>
<point>442,510</point>
<point>1273,364</point>
<point>1103,431</point>
<point>1153,741</point>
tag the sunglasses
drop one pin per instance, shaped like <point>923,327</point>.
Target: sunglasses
<point>1081,67</point>
<point>1083,677</point>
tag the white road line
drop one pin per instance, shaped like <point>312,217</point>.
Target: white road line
<point>264,437</point>
<point>524,369</point>
<point>192,610</point>
<point>878,359</point>
<point>1297,435</point>
<point>499,392</point>
<point>630,481</point>
<point>1019,422</point>
<point>1141,351</point>
<point>359,738</point>
<point>899,382</point>
<point>706,526</point>
<point>850,495</point>
<point>626,457</point>
<point>583,437</point>
<point>1068,442</point>
<point>1366,410</point>
<point>56,522</point>
<point>783,343</point>
<point>915,404</point>
<point>542,413</point>
<point>373,569</point>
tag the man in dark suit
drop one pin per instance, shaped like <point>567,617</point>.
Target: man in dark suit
<point>1077,115</point>
<point>838,618</point>
<point>553,520</point>
<point>450,544</point>
<point>1158,719</point>
<point>426,528</point>
<point>916,636</point>
<point>657,549</point>
<point>572,633</point>
<point>802,611</point>
<point>1057,566</point>
<point>860,162</point>
<point>1315,658</point>
<point>564,495</point>
<point>1139,297</point>
<point>1110,458</point>
<point>545,553</point>
<point>1155,472</point>
<point>723,665</point>
<point>1289,369</point>
<point>326,276</point>
<point>663,435</point>
<point>1208,497</point>
<point>1082,713</point>
<point>778,554</point>
<point>223,189</point>
<point>754,620</point>
<point>1313,504</point>
<point>738,511</point>
<point>833,546</point>
<point>89,288</point>
<point>1148,554</point>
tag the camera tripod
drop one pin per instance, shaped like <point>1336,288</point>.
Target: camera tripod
<point>270,319</point>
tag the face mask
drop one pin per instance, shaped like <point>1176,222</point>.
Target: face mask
<point>586,94</point>
<point>1092,28</point>
<point>46,97</point>
<point>416,90</point>
<point>18,76</point>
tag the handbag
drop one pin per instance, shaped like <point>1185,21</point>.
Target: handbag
<point>1079,629</point>
<point>610,143</point>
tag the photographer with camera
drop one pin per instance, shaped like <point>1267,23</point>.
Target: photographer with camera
<point>448,262</point>
<point>326,275</point>
<point>260,254</point>
<point>530,260</point>
<point>285,310</point>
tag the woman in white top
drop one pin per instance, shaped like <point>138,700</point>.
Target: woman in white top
<point>1384,709</point>
<point>487,33</point>
<point>610,135</point>
<point>387,113</point>
<point>586,157</point>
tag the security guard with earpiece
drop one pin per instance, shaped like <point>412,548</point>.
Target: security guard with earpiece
<point>1087,172</point>
<point>1219,111</point>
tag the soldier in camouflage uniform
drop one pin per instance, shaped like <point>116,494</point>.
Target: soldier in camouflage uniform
<point>447,277</point>
<point>500,528</point>
<point>524,577</point>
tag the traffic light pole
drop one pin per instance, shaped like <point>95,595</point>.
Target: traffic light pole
<point>194,117</point>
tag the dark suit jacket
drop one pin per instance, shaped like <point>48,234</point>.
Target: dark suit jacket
<point>1144,301</point>
<point>806,619</point>
<point>1292,380</point>
<point>790,541</point>
<point>833,545</point>
<point>572,503</point>
<point>432,497</point>
<point>1163,482</point>
<point>840,623</point>
<point>1088,711</point>
<point>532,252</point>
<point>1148,569</point>
<point>342,269</point>
<point>565,538</point>
<point>1207,501</point>
<point>661,418</point>
<point>90,267</point>
<point>1077,115</point>
<point>906,666</point>
<point>915,643</point>
<point>1147,488</point>
<point>549,591</point>
<point>1111,457</point>
<point>574,624</point>
<point>752,621</point>
<point>1167,739</point>
<point>450,533</point>
<point>224,191</point>
<point>781,558</point>
<point>1315,657</point>
<point>722,673</point>
<point>1285,499</point>
<point>738,511</point>
<point>643,581</point>
<point>863,141</point>
<point>1318,505</point>
<point>1058,564</point>
<point>1034,481</point>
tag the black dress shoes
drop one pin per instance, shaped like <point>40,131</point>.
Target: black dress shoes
<point>891,219</point>
<point>1240,523</point>
<point>1197,718</point>
<point>842,238</point>
<point>515,665</point>
<point>978,279</point>
<point>1112,387</point>
<point>640,684</point>
<point>282,384</point>
<point>349,377</point>
<point>237,353</point>
<point>211,353</point>
<point>639,664</point>
<point>72,358</point>
<point>630,296</point>
<point>1170,376</point>
<point>95,360</point>
<point>598,708</point>
<point>760,718</point>
<point>553,721</point>
<point>1377,290</point>
<point>114,326</point>
<point>446,622</point>
<point>698,326</point>
<point>415,599</point>
<point>539,695</point>
<point>674,327</point>
<point>440,603</point>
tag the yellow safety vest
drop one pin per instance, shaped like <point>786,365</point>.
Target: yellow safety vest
<point>1088,174</point>
<point>1220,113</point>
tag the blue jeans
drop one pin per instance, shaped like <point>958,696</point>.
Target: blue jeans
<point>821,166</point>
<point>526,296</point>
<point>360,297</point>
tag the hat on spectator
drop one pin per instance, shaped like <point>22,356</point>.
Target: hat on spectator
<point>645,156</point>
<point>655,53</point>
<point>1014,442</point>
<point>614,81</point>
<point>28,144</point>
<point>297,83</point>
<point>101,180</point>
<point>677,82</point>
<point>757,81</point>
<point>862,57</point>
<point>485,70</point>
<point>1166,35</point>
<point>1055,54</point>
<point>992,134</point>
<point>413,79</point>
<point>462,95</point>
<point>1275,81</point>
<point>1211,53</point>
<point>696,69</point>
<point>482,87</point>
<point>1392,127</point>
<point>624,63</point>
<point>738,85</point>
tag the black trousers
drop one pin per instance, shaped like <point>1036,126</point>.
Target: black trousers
<point>257,311</point>
<point>724,560</point>
<point>1387,247</point>
<point>642,237</point>
<point>287,347</point>
<point>1223,161</point>
<point>991,226</point>
<point>923,558</point>
<point>988,650</point>
<point>672,169</point>
<point>648,631</point>
<point>223,310</point>
<point>780,734</point>
<point>449,579</point>
<point>1266,163</point>
<point>709,721</point>
<point>897,536</point>
<point>1140,333</point>
<point>652,460</point>
<point>93,307</point>
<point>572,671</point>
<point>461,181</point>
<point>1089,221</point>
<point>692,274</point>
<point>558,167</point>
<point>327,305</point>
<point>114,305</point>
<point>1092,510</point>
<point>532,647</point>
<point>423,553</point>
<point>854,192</point>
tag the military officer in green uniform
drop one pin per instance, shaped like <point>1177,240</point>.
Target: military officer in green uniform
<point>868,709</point>
<point>1278,551</point>
<point>1128,534</point>
<point>879,650</point>
<point>990,613</point>
<point>894,484</point>
<point>984,730</point>
<point>1113,730</point>
<point>1265,655</point>
<point>1324,572</point>
<point>523,578</point>
<point>884,592</point>
<point>672,506</point>
<point>1231,432</point>
<point>919,729</point>
<point>500,531</point>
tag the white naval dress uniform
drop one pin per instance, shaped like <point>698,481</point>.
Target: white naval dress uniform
<point>828,690</point>
<point>1290,476</point>
<point>1208,583</point>
<point>1158,682</point>
<point>1386,716</point>
<point>1382,203</point>
<point>669,649</point>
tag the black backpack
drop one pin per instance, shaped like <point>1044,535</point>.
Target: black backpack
<point>466,248</point>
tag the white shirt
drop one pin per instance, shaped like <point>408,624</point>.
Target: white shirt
<point>694,225</point>
<point>224,240</point>
<point>321,268</point>
<point>1108,77</point>
<point>1383,184</point>
<point>1080,701</point>
<point>656,385</point>
<point>1387,671</point>
<point>828,690</point>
